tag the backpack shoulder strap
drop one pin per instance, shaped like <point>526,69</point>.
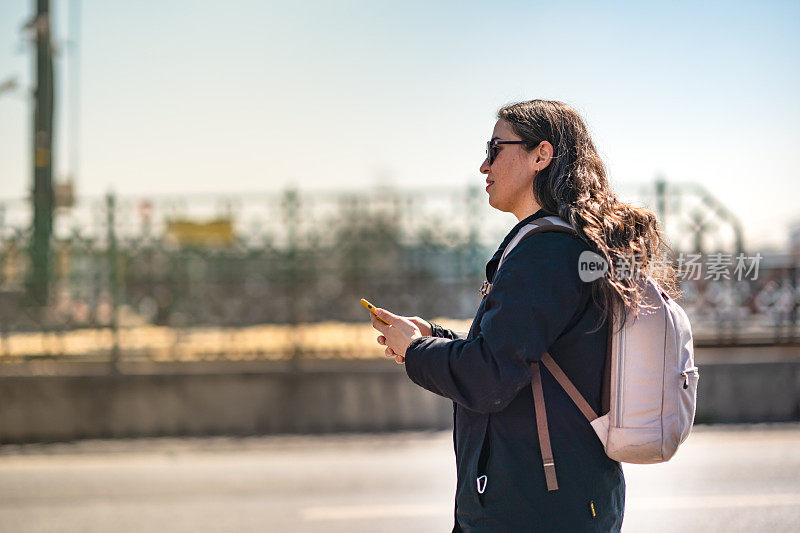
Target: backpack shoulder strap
<point>541,414</point>
<point>571,390</point>
<point>540,225</point>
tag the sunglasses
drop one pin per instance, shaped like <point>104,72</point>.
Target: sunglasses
<point>492,150</point>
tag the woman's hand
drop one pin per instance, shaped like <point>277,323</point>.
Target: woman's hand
<point>400,333</point>
<point>423,325</point>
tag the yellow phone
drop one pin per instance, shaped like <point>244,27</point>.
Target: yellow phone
<point>372,310</point>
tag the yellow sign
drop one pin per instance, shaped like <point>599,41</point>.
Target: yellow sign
<point>213,234</point>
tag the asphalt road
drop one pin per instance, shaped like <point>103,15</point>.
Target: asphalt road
<point>726,479</point>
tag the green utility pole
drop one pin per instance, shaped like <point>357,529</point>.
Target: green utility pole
<point>113,280</point>
<point>43,197</point>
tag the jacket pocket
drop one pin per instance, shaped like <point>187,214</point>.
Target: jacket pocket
<point>590,506</point>
<point>482,467</point>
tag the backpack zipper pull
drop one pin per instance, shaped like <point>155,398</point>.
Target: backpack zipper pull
<point>685,375</point>
<point>591,508</point>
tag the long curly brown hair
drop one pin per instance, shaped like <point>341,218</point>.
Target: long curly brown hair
<point>575,187</point>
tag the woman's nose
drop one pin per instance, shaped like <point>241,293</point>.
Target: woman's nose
<point>485,167</point>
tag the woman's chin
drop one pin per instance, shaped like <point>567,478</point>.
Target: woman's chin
<point>493,202</point>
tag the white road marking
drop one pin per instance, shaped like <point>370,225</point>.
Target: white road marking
<point>716,501</point>
<point>350,512</point>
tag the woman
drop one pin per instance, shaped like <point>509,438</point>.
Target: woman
<point>541,161</point>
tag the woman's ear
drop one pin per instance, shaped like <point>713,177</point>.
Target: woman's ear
<point>544,154</point>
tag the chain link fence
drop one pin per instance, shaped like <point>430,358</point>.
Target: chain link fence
<point>275,276</point>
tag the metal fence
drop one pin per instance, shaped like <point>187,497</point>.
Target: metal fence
<point>168,269</point>
<point>275,276</point>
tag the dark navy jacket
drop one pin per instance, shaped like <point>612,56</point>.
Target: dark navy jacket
<point>537,303</point>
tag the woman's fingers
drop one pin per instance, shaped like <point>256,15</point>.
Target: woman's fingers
<point>399,359</point>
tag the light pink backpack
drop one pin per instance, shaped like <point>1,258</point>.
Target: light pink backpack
<point>650,385</point>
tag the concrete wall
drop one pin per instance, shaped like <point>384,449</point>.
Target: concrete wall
<point>365,396</point>
<point>54,408</point>
<point>749,392</point>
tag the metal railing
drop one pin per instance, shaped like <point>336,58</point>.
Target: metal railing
<point>276,276</point>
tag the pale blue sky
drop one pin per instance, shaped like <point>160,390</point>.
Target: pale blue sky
<point>196,96</point>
